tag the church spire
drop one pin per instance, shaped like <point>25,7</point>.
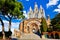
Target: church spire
<point>36,4</point>
<point>48,17</point>
<point>30,9</point>
<point>30,13</point>
<point>42,11</point>
<point>48,21</point>
<point>41,7</point>
<point>36,10</point>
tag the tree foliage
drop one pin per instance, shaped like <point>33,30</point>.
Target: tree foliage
<point>12,9</point>
<point>56,21</point>
<point>44,25</point>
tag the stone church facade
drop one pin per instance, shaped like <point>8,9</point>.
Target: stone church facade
<point>33,22</point>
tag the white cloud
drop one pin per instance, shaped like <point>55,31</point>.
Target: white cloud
<point>5,21</point>
<point>13,25</point>
<point>58,9</point>
<point>25,14</point>
<point>52,2</point>
<point>24,11</point>
<point>59,6</point>
<point>27,0</point>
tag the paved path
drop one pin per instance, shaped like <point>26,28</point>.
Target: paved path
<point>30,36</point>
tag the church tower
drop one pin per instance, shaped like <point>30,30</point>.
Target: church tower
<point>36,10</point>
<point>30,13</point>
<point>39,14</point>
<point>42,12</point>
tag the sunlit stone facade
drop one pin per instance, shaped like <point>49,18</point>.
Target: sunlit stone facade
<point>33,23</point>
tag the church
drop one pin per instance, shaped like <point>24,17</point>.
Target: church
<point>33,22</point>
<point>31,26</point>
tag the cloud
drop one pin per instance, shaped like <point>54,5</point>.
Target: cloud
<point>24,11</point>
<point>52,2</point>
<point>14,25</point>
<point>27,0</point>
<point>59,6</point>
<point>25,14</point>
<point>58,9</point>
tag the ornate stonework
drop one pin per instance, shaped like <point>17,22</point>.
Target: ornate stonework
<point>33,22</point>
<point>30,25</point>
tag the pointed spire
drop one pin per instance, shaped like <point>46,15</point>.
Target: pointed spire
<point>41,7</point>
<point>30,8</point>
<point>36,4</point>
<point>36,10</point>
<point>42,11</point>
<point>48,17</point>
<point>30,13</point>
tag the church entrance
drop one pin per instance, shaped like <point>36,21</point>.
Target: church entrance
<point>34,27</point>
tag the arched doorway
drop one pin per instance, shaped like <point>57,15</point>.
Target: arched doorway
<point>34,27</point>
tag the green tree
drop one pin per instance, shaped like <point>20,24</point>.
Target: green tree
<point>44,25</point>
<point>1,3</point>
<point>58,26</point>
<point>12,9</point>
<point>56,22</point>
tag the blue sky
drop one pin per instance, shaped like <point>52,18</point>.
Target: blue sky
<point>51,7</point>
